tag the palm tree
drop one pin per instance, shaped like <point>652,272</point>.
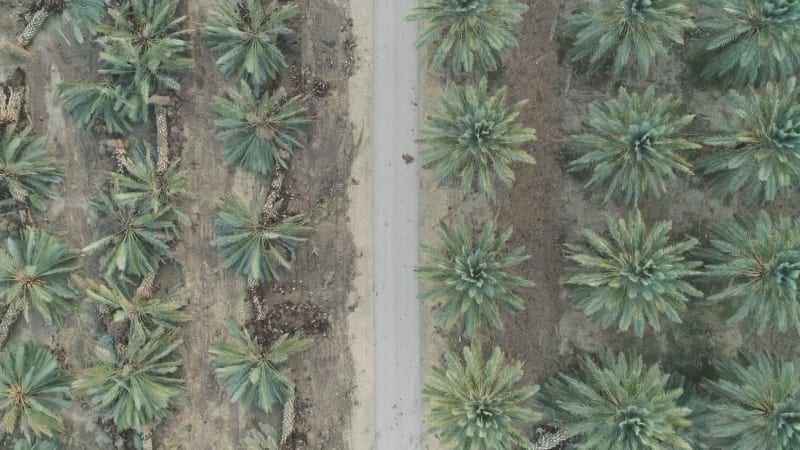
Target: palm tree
<point>757,262</point>
<point>35,444</point>
<point>26,173</point>
<point>472,135</point>
<point>144,50</point>
<point>35,272</point>
<point>253,242</point>
<point>33,390</point>
<point>760,144</point>
<point>260,133</point>
<point>619,404</point>
<point>138,387</point>
<point>252,373</point>
<point>81,16</point>
<point>93,103</point>
<point>468,36</point>
<point>470,276</point>
<point>633,145</point>
<point>749,42</point>
<point>141,187</point>
<point>642,29</point>
<point>245,32</point>
<point>260,438</point>
<point>633,278</point>
<point>138,241</point>
<point>756,405</point>
<point>478,404</point>
<point>142,315</point>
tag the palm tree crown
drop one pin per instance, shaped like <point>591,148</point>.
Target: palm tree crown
<point>757,260</point>
<point>755,405</point>
<point>469,276</point>
<point>633,145</point>
<point>245,32</point>
<point>253,242</point>
<point>750,42</point>
<point>25,169</point>
<point>260,133</point>
<point>619,404</point>
<point>33,391</point>
<point>642,29</point>
<point>252,373</point>
<point>634,277</point>
<point>92,103</point>
<point>760,144</point>
<point>136,388</point>
<point>472,135</point>
<point>468,35</point>
<point>477,404</point>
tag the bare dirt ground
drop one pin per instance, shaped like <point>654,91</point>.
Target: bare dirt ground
<point>317,187</point>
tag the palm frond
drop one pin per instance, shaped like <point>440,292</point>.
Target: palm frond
<point>34,444</point>
<point>93,103</point>
<point>26,169</point>
<point>260,438</point>
<point>82,17</point>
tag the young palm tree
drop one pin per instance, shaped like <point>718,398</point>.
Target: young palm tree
<point>633,145</point>
<point>472,135</point>
<point>470,276</point>
<point>756,405</point>
<point>757,262</point>
<point>245,32</point>
<point>633,278</point>
<point>144,50</point>
<point>642,29</point>
<point>619,404</point>
<point>258,131</point>
<point>35,273</point>
<point>750,42</point>
<point>468,36</point>
<point>760,144</point>
<point>93,103</point>
<point>253,242</point>
<point>142,315</point>
<point>252,373</point>
<point>142,188</point>
<point>33,391</point>
<point>138,241</point>
<point>136,388</point>
<point>35,444</point>
<point>479,403</point>
<point>26,173</point>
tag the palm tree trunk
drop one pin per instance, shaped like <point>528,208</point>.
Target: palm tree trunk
<point>11,105</point>
<point>162,140</point>
<point>33,26</point>
<point>147,440</point>
<point>258,307</point>
<point>287,427</point>
<point>548,441</point>
<point>24,209</point>
<point>145,289</point>
<point>276,186</point>
<point>9,319</point>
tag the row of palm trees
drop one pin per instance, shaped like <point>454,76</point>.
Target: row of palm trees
<point>633,146</point>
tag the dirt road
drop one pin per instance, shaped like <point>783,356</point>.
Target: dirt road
<point>398,374</point>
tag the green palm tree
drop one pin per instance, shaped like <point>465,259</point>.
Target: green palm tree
<point>617,404</point>
<point>749,42</point>
<point>25,171</point>
<point>35,444</point>
<point>469,276</point>
<point>253,242</point>
<point>245,33</point>
<point>138,241</point>
<point>478,404</point>
<point>260,133</point>
<point>92,103</point>
<point>759,144</point>
<point>757,262</point>
<point>251,372</point>
<point>633,145</point>
<point>144,49</point>
<point>82,16</point>
<point>136,388</point>
<point>142,315</point>
<point>472,136</point>
<point>633,278</point>
<point>35,272</point>
<point>142,188</point>
<point>638,29</point>
<point>468,36</point>
<point>756,405</point>
<point>33,390</point>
